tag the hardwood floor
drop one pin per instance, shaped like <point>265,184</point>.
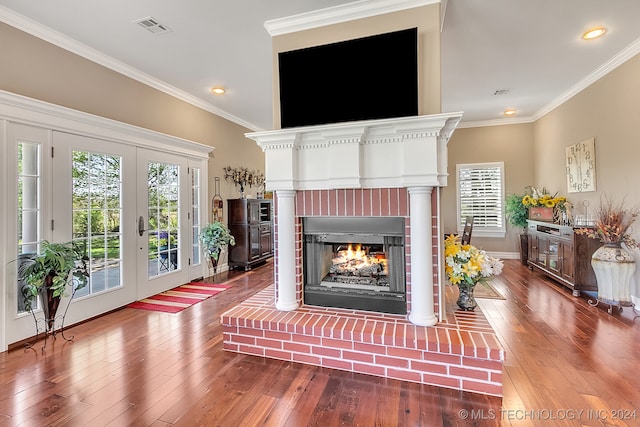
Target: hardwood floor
<point>565,359</point>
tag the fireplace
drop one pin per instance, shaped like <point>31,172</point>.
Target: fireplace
<point>354,262</point>
<point>373,184</point>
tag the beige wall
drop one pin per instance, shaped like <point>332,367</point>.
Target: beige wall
<point>512,145</point>
<point>39,70</point>
<point>426,19</point>
<point>609,111</point>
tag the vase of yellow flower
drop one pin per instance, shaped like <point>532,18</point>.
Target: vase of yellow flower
<point>466,266</point>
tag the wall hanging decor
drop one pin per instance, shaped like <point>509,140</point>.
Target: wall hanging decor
<point>243,177</point>
<point>581,166</point>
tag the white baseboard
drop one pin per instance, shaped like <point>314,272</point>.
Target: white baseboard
<point>505,255</point>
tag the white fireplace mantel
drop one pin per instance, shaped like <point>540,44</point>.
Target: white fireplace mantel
<point>400,152</point>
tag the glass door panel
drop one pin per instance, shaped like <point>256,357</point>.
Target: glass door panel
<point>29,179</point>
<point>553,255</point>
<point>97,209</point>
<point>163,218</point>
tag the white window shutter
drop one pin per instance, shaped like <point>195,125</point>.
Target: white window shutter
<point>481,195</point>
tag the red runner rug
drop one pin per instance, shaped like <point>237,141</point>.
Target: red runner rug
<point>177,299</point>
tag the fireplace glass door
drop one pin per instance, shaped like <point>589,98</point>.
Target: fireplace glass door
<point>355,263</point>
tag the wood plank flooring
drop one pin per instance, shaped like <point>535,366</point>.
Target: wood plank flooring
<point>567,364</point>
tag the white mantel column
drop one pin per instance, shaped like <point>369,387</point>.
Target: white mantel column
<point>286,283</point>
<point>422,312</point>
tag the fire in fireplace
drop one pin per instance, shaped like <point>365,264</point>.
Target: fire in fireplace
<point>355,263</point>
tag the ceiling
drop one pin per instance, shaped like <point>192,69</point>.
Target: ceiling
<point>529,49</point>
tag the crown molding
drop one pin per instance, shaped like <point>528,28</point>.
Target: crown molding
<point>623,56</point>
<point>56,38</point>
<point>341,13</point>
<point>496,122</point>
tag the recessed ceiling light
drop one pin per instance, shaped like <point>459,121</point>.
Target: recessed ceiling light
<point>218,90</point>
<point>509,112</point>
<point>594,33</point>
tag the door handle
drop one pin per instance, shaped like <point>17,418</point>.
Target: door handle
<point>141,229</point>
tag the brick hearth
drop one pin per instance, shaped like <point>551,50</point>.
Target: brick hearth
<point>460,352</point>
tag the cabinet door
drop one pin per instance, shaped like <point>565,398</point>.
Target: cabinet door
<point>543,249</point>
<point>567,260</point>
<point>254,238</point>
<point>533,248</point>
<point>265,240</point>
<point>553,257</point>
<point>254,211</point>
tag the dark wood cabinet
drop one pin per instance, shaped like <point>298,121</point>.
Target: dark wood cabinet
<point>557,251</point>
<point>250,222</point>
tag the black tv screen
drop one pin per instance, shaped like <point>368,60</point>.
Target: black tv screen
<point>374,77</point>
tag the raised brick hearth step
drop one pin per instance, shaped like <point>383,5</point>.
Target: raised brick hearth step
<point>462,352</point>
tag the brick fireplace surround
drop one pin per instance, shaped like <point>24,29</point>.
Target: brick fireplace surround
<point>430,345</point>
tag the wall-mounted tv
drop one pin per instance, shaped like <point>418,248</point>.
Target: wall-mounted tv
<point>374,77</point>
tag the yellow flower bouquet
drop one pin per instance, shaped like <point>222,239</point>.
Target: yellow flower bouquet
<point>467,265</point>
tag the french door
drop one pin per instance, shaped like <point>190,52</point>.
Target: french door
<point>135,212</point>
<point>163,222</point>
<point>91,208</point>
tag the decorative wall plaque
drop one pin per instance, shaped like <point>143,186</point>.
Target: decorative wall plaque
<point>581,166</point>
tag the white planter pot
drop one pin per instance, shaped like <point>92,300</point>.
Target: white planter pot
<point>614,266</point>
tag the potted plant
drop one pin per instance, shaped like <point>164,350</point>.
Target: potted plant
<point>215,237</point>
<point>47,274</point>
<point>517,214</point>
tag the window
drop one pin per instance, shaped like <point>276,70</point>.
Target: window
<point>195,214</point>
<point>481,195</point>
<point>29,174</point>
<point>97,211</point>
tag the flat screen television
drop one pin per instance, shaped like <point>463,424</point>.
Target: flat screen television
<point>374,77</point>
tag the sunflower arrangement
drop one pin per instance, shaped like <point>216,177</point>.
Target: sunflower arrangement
<point>542,198</point>
<point>467,265</point>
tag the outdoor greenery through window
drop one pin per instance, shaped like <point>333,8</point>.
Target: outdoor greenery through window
<point>28,203</point>
<point>163,204</point>
<point>481,195</point>
<point>195,214</point>
<point>97,212</point>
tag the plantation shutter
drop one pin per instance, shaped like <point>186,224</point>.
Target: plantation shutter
<point>480,194</point>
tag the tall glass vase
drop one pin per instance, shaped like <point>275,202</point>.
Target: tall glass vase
<point>614,266</point>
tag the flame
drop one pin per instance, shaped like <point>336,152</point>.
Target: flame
<point>357,254</point>
<point>355,258</point>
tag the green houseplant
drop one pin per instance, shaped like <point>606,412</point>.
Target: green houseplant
<point>517,214</point>
<point>214,238</point>
<point>47,274</point>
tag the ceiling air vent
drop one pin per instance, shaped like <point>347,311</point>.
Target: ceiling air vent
<point>152,25</point>
<point>501,92</point>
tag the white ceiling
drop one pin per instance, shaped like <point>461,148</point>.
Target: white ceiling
<point>532,48</point>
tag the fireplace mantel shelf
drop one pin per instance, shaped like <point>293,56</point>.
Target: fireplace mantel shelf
<point>400,152</point>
